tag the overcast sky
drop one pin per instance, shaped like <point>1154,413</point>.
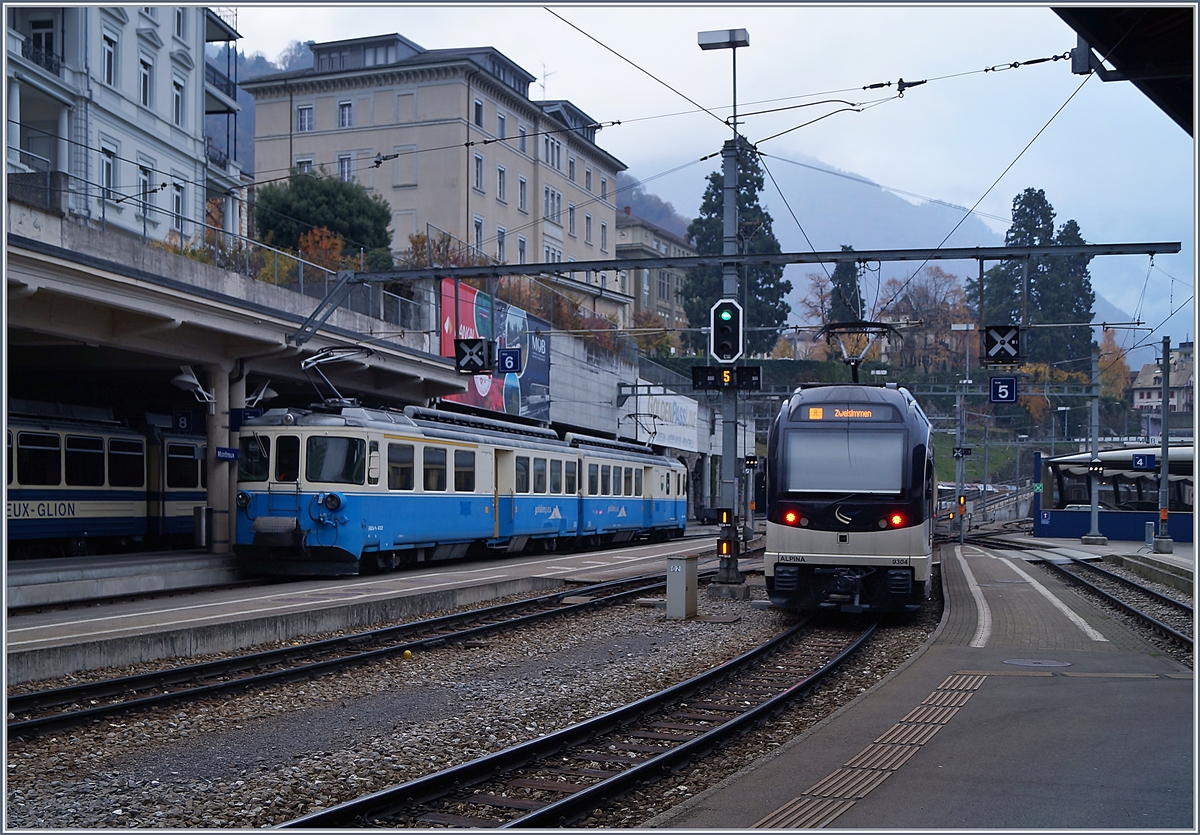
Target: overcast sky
<point>1109,159</point>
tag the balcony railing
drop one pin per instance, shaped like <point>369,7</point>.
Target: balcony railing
<point>215,155</point>
<point>48,62</point>
<point>218,79</point>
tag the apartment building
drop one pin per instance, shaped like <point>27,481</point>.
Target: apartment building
<point>454,144</point>
<point>656,291</point>
<point>106,111</point>
<point>1146,392</point>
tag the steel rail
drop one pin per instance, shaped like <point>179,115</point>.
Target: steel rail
<point>433,786</point>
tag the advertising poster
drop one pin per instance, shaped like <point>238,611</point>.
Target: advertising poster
<point>525,393</point>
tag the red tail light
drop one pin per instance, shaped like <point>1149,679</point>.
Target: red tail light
<point>791,517</point>
<point>896,520</point>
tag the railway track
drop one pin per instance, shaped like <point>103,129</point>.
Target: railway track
<point>561,778</point>
<point>50,710</point>
<point>1165,615</point>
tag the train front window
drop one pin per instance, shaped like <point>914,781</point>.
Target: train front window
<point>85,461</point>
<point>39,458</point>
<point>844,461</point>
<point>287,458</point>
<point>336,460</point>
<point>182,469</point>
<point>254,457</point>
<point>126,463</point>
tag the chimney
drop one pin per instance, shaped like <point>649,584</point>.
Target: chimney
<point>628,210</point>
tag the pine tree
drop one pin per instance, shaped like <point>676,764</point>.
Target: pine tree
<point>1056,290</point>
<point>764,288</point>
<point>845,296</point>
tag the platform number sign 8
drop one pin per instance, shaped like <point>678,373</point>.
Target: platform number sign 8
<point>1004,390</point>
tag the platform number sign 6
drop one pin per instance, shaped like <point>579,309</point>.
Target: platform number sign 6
<point>1004,390</point>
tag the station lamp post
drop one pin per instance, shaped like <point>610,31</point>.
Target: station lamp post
<point>727,572</point>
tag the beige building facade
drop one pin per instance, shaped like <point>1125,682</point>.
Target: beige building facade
<point>452,141</point>
<point>657,291</point>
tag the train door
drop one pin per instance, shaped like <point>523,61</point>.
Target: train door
<point>643,481</point>
<point>504,493</point>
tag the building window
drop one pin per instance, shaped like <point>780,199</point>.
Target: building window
<point>522,194</point>
<point>552,205</point>
<point>571,220</point>
<point>521,249</point>
<point>110,61</point>
<point>501,127</point>
<point>587,179</point>
<point>553,153</point>
<point>304,119</point>
<point>304,166</point>
<point>587,229</point>
<point>501,255</point>
<point>603,236</point>
<point>478,113</point>
<point>145,81</point>
<point>479,235</point>
<point>177,207</point>
<point>177,102</point>
<point>345,114</point>
<point>603,188</point>
<point>571,169</point>
<point>180,11</point>
<point>501,184</point>
<point>41,36</point>
<point>346,167</point>
<point>479,172</point>
<point>108,172</point>
<point>521,139</point>
<point>144,195</point>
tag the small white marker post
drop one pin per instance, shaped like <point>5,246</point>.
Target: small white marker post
<point>681,586</point>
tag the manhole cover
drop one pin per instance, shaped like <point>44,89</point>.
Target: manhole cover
<point>1037,662</point>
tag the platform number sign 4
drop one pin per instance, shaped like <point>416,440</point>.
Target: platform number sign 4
<point>1004,390</point>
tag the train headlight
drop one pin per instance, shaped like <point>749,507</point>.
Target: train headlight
<point>242,499</point>
<point>333,502</point>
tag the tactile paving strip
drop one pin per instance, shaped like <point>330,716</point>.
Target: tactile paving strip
<point>829,798</point>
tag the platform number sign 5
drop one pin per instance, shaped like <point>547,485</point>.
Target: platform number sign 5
<point>1004,390</point>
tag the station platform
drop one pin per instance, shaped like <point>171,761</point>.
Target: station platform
<point>1029,708</point>
<point>52,643</point>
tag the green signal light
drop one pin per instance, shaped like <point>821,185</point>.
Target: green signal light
<point>726,315</point>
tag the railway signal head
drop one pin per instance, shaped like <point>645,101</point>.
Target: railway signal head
<point>725,331</point>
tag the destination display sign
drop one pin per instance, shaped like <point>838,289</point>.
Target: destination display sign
<point>855,412</point>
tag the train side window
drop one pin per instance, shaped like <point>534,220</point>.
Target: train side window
<point>182,466</point>
<point>662,484</point>
<point>8,470</point>
<point>522,473</point>
<point>400,467</point>
<point>556,476</point>
<point>605,480</point>
<point>434,468</point>
<point>464,471</point>
<point>126,463</point>
<point>593,479</point>
<point>336,460</point>
<point>287,458</point>
<point>85,461</point>
<point>39,458</point>
<point>637,482</point>
<point>629,481</point>
<point>539,475</point>
<point>254,458</point>
<point>570,487</point>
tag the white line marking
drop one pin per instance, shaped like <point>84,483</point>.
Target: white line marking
<point>983,629</point>
<point>1058,604</point>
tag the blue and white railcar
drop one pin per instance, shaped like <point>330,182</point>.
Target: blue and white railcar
<point>344,490</point>
<point>850,501</point>
<point>75,486</point>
